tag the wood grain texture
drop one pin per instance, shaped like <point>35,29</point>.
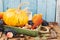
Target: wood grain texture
<point>32,5</point>
<point>58,12</point>
<point>42,7</point>
<point>1,5</point>
<point>10,4</point>
<point>46,7</point>
<point>51,4</point>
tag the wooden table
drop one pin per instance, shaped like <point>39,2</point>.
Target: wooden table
<point>55,27</point>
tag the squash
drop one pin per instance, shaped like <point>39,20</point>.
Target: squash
<point>15,17</point>
<point>27,32</point>
<point>1,15</point>
<point>37,20</point>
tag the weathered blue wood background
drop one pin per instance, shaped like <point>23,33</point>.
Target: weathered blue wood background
<point>46,7</point>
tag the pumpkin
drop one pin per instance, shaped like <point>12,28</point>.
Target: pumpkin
<point>1,15</point>
<point>37,20</point>
<point>15,17</point>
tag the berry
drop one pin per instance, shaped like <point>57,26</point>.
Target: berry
<point>30,22</point>
<point>1,29</point>
<point>1,22</point>
<point>45,23</point>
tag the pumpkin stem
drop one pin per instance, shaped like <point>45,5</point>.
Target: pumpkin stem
<point>19,7</point>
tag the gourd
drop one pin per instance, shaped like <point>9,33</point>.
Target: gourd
<point>15,17</point>
<point>28,32</point>
<point>1,15</point>
<point>37,20</point>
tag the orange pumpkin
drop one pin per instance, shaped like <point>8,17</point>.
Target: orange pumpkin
<point>15,17</point>
<point>37,20</point>
<point>1,15</point>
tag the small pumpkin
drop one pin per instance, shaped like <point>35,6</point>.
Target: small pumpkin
<point>37,20</point>
<point>15,17</point>
<point>1,15</point>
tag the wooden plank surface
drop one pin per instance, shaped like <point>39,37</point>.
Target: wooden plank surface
<point>32,5</point>
<point>56,28</point>
<point>10,4</point>
<point>46,7</point>
<point>42,8</point>
<point>1,5</point>
<point>51,7</point>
